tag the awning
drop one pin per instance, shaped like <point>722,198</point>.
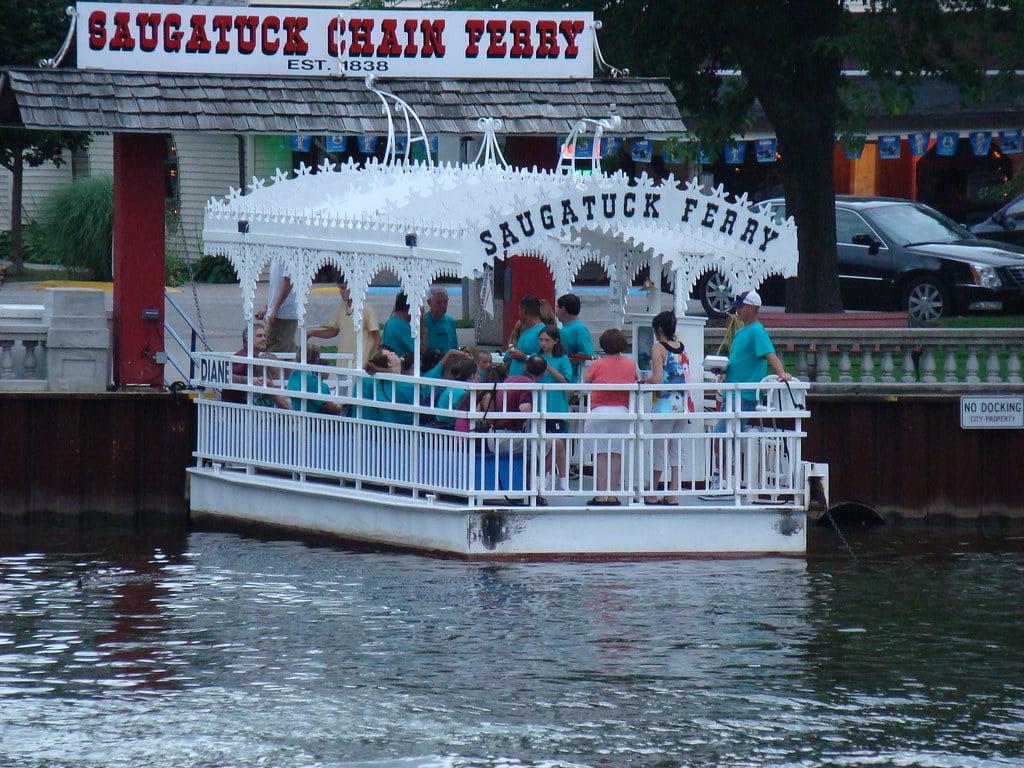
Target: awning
<point>82,100</point>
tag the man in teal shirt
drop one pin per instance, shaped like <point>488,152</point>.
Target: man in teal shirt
<point>397,333</point>
<point>576,339</point>
<point>438,328</point>
<point>528,343</point>
<point>751,353</point>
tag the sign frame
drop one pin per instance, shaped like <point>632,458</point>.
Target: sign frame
<point>340,42</point>
<point>975,415</point>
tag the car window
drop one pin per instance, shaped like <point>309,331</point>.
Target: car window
<point>907,223</point>
<point>1015,210</point>
<point>849,224</point>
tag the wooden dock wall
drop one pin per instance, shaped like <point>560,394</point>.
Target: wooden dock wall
<point>126,453</point>
<point>907,457</point>
<point>118,453</point>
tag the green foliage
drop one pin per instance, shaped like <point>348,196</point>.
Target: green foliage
<point>175,270</point>
<point>214,269</point>
<point>77,221</point>
<point>32,244</point>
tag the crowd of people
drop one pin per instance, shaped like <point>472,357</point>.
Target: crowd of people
<point>547,345</point>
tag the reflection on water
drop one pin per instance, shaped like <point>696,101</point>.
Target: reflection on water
<point>162,647</point>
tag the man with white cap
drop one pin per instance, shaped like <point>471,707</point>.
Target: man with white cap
<point>751,352</point>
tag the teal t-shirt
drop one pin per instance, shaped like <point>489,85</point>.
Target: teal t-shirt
<point>576,340</point>
<point>748,357</point>
<point>557,402</point>
<point>449,398</point>
<point>380,391</point>
<point>441,333</point>
<point>529,344</point>
<point>312,384</point>
<point>397,334</point>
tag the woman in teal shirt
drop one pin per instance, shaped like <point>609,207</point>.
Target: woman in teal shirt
<point>557,401</point>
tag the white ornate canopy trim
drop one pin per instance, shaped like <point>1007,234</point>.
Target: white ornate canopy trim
<point>422,222</point>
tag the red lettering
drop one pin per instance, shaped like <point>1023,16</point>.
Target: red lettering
<point>222,24</point>
<point>474,31</point>
<point>496,30</point>
<point>122,39</point>
<point>547,45</point>
<point>336,37</point>
<point>198,42</point>
<point>359,30</point>
<point>268,46</point>
<point>294,44</point>
<point>569,30</point>
<point>148,24</point>
<point>433,38</point>
<point>410,35</point>
<point>172,33</point>
<point>247,24</point>
<point>522,46</point>
<point>389,45</point>
<point>97,30</point>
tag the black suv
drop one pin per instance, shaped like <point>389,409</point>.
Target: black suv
<point>900,254</point>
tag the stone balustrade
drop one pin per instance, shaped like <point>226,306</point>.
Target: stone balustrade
<point>878,359</point>
<point>62,345</point>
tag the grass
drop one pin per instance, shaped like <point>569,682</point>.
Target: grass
<point>37,275</point>
<point>983,321</point>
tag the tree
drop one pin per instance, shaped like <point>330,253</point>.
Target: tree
<point>29,31</point>
<point>789,57</point>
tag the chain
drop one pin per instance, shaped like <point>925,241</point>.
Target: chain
<point>188,263</point>
<point>842,539</point>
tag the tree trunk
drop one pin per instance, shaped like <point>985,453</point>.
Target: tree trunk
<point>809,181</point>
<point>17,174</point>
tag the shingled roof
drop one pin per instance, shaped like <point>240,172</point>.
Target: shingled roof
<point>81,100</point>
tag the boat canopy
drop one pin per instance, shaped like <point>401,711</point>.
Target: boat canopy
<point>422,221</point>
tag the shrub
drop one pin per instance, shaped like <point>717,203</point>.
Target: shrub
<point>77,222</point>
<point>175,270</point>
<point>32,246</point>
<point>214,269</point>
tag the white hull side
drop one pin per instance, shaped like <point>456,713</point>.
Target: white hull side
<point>500,532</point>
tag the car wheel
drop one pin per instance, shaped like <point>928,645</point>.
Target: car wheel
<point>926,299</point>
<point>715,294</point>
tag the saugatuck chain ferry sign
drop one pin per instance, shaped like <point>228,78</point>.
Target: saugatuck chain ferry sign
<point>421,43</point>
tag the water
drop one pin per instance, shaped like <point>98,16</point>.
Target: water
<point>202,649</point>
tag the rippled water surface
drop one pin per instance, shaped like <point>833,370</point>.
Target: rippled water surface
<point>175,648</point>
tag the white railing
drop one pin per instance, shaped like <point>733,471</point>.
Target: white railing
<point>903,359</point>
<point>22,347</point>
<point>731,457</point>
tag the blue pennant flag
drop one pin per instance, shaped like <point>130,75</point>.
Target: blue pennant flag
<point>367,144</point>
<point>302,143</point>
<point>336,142</point>
<point>584,147</point>
<point>889,147</point>
<point>918,143</point>
<point>642,151</point>
<point>946,143</point>
<point>435,145</point>
<point>981,142</point>
<point>735,152</point>
<point>401,142</point>
<point>766,150</point>
<point>610,146</point>
<point>1010,142</point>
<point>854,147</point>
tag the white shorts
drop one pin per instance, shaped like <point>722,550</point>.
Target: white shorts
<point>621,427</point>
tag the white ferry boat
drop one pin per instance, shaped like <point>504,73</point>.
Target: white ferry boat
<point>402,481</point>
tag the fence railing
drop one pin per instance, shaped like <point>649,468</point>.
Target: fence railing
<point>22,344</point>
<point>943,359</point>
<point>416,445</point>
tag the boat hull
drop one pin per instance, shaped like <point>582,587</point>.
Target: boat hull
<point>500,532</point>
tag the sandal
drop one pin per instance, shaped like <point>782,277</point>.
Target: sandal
<point>667,502</point>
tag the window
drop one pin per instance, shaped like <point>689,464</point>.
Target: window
<point>849,224</point>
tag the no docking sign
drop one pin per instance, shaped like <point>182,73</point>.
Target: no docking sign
<point>992,412</point>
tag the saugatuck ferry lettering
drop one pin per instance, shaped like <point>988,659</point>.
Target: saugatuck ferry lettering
<point>715,215</point>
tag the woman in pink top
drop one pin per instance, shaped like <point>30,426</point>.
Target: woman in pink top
<point>613,368</point>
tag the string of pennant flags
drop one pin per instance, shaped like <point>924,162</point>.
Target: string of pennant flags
<point>890,146</point>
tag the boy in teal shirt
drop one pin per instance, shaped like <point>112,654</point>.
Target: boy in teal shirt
<point>576,339</point>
